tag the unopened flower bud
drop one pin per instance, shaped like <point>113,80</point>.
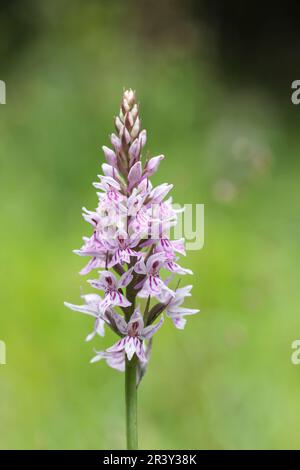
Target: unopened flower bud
<point>143,137</point>
<point>128,99</point>
<point>115,141</point>
<point>110,156</point>
<point>152,165</point>
<point>135,174</point>
<point>118,124</point>
<point>134,151</point>
<point>134,111</point>
<point>136,128</point>
<point>125,136</point>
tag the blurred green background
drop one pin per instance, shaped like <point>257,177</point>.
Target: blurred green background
<point>231,139</point>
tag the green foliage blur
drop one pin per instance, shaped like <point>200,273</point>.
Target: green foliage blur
<point>227,380</point>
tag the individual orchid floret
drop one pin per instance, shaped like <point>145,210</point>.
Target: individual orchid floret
<point>134,333</point>
<point>151,284</point>
<point>121,248</point>
<point>111,192</point>
<point>111,286</point>
<point>177,313</point>
<point>94,248</point>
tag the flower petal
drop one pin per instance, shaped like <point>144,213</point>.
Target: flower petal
<point>119,321</point>
<point>158,194</point>
<point>179,322</point>
<point>110,171</point>
<point>139,349</point>
<point>118,346</point>
<point>126,278</point>
<point>150,330</point>
<point>115,298</point>
<point>135,174</point>
<point>116,360</point>
<point>155,261</point>
<point>136,323</point>
<point>88,310</point>
<point>175,268</point>
<point>115,141</point>
<point>130,346</point>
<point>90,336</point>
<point>134,151</point>
<point>140,267</point>
<point>110,156</point>
<point>143,137</point>
<point>152,165</point>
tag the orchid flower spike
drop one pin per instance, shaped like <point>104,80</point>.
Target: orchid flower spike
<point>130,244</point>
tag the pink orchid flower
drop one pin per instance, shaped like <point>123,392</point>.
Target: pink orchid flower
<point>152,284</point>
<point>134,333</point>
<point>111,286</point>
<point>177,313</point>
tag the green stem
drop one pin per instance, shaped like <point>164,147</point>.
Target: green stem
<point>131,403</point>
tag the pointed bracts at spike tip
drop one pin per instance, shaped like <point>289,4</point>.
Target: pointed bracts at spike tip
<point>129,247</point>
